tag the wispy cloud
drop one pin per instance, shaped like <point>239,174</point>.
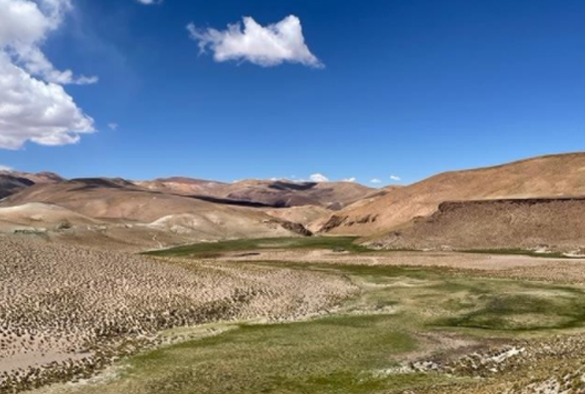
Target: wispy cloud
<point>113,126</point>
<point>395,178</point>
<point>5,168</point>
<point>266,46</point>
<point>352,179</point>
<point>149,2</point>
<point>375,180</point>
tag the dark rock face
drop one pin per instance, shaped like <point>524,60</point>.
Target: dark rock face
<point>333,222</point>
<point>10,184</point>
<point>297,228</point>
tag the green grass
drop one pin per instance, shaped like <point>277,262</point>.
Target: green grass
<point>311,357</point>
<point>216,249</point>
<point>247,245</point>
<point>523,312</point>
<point>341,353</point>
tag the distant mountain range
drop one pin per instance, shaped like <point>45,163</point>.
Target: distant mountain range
<point>183,209</point>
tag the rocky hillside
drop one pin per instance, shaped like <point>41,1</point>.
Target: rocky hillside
<point>265,193</point>
<point>547,176</point>
<point>552,224</point>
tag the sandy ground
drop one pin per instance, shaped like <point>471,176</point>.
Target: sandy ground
<point>505,266</point>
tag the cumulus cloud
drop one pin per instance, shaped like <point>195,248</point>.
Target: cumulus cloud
<point>352,179</point>
<point>5,168</point>
<point>33,103</point>
<point>24,26</point>
<point>375,180</point>
<point>395,178</point>
<point>266,46</point>
<point>318,178</point>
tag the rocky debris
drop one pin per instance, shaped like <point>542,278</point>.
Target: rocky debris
<point>550,366</point>
<point>337,221</point>
<point>66,312</point>
<point>333,222</point>
<point>296,228</point>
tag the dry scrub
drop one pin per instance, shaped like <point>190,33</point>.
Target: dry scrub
<point>67,311</point>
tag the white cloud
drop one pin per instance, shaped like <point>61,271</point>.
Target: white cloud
<point>266,46</point>
<point>375,180</point>
<point>395,178</point>
<point>318,178</point>
<point>148,2</point>
<point>352,179</point>
<point>24,26</point>
<point>5,168</point>
<point>113,126</point>
<point>33,104</point>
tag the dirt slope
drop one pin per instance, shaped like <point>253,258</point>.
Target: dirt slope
<point>39,215</point>
<point>547,176</point>
<point>310,216</point>
<point>555,224</point>
<point>331,195</point>
<point>120,202</point>
<point>12,182</point>
<point>268,193</point>
<point>184,185</point>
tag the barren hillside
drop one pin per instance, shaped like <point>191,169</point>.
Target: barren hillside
<point>547,176</point>
<point>310,216</point>
<point>332,195</point>
<point>556,224</point>
<point>12,182</point>
<point>184,185</point>
<point>276,194</point>
<point>143,213</point>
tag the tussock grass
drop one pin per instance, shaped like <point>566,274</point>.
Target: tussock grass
<point>344,351</point>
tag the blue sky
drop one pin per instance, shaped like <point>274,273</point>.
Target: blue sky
<point>408,88</point>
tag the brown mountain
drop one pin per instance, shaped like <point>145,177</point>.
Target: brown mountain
<point>276,194</point>
<point>184,185</point>
<point>12,182</point>
<point>331,195</point>
<point>546,176</point>
<point>120,202</point>
<point>545,225</point>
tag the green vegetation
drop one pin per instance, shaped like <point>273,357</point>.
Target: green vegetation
<point>305,357</point>
<point>340,244</point>
<point>347,352</point>
<point>247,245</point>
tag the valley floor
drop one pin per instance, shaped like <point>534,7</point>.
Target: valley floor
<point>282,316</point>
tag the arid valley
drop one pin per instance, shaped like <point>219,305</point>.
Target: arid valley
<point>179,285</point>
<point>292,197</point>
